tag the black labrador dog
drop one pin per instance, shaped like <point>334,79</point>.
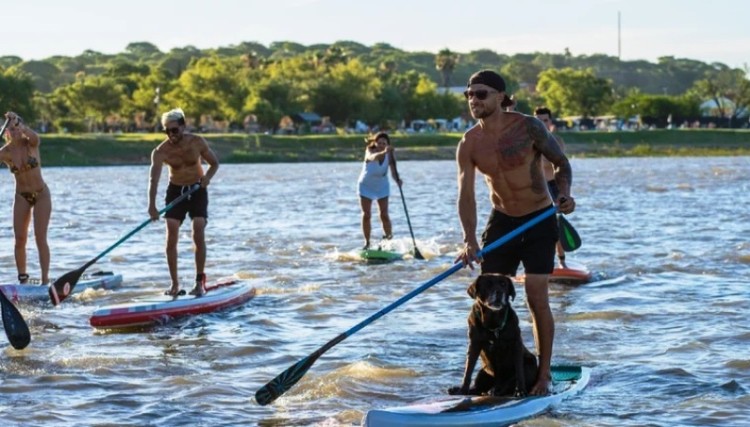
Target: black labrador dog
<point>509,368</point>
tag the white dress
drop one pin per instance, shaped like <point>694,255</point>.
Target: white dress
<point>373,181</point>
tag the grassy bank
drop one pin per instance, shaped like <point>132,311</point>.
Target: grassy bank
<point>105,149</point>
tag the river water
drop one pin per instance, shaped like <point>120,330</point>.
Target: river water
<point>665,326</point>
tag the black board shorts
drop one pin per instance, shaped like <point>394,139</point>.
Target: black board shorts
<point>535,247</point>
<point>195,204</point>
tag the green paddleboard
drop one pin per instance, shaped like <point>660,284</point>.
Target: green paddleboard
<point>379,255</point>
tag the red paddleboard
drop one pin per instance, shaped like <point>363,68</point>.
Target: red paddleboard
<point>161,309</point>
<point>573,273</point>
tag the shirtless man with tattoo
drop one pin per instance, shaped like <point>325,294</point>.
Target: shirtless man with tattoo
<point>507,149</point>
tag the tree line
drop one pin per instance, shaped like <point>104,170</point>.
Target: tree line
<point>347,81</point>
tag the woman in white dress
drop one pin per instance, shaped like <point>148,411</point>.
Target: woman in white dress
<point>373,183</point>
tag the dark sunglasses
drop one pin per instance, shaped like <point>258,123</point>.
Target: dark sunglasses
<point>480,94</point>
<point>172,131</point>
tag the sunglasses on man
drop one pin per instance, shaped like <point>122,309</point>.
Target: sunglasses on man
<point>172,131</point>
<point>480,94</point>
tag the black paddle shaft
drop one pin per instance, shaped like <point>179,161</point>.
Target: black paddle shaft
<point>417,254</point>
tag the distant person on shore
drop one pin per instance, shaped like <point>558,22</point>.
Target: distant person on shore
<point>373,183</point>
<point>507,149</point>
<point>183,153</point>
<point>32,200</point>
<point>545,116</point>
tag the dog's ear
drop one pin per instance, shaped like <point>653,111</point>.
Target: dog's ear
<point>472,289</point>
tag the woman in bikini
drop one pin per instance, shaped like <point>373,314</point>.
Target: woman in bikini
<point>32,200</point>
<point>373,183</point>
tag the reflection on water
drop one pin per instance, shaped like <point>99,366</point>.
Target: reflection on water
<point>664,327</point>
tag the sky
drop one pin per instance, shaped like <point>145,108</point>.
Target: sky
<point>717,31</point>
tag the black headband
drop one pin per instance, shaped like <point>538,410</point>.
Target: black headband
<point>489,78</point>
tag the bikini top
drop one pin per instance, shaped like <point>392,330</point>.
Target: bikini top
<point>31,163</point>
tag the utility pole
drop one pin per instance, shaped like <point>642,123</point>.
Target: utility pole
<point>619,45</point>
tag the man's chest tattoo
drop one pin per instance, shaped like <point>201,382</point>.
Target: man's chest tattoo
<point>512,149</point>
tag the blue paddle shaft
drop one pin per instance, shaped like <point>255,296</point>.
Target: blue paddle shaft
<point>285,380</point>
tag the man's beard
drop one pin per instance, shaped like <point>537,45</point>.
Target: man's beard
<point>482,114</point>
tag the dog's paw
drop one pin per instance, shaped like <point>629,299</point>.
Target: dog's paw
<point>457,390</point>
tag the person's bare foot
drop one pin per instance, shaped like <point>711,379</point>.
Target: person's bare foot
<point>197,290</point>
<point>200,285</point>
<point>174,291</point>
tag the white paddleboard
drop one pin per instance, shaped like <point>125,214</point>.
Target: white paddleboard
<point>466,411</point>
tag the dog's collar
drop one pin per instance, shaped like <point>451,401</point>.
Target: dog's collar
<point>496,331</point>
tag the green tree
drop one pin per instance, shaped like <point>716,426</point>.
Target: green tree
<point>729,89</point>
<point>147,98</point>
<point>279,88</point>
<point>16,94</point>
<point>127,74</point>
<point>93,98</point>
<point>178,59</point>
<point>334,56</point>
<point>346,93</point>
<point>658,107</point>
<point>9,61</point>
<point>43,74</point>
<point>420,99</point>
<point>445,62</point>
<point>211,86</point>
<point>285,50</point>
<point>143,50</point>
<point>520,71</point>
<point>575,92</point>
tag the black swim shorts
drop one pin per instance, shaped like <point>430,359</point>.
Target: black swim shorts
<point>535,247</point>
<point>195,204</point>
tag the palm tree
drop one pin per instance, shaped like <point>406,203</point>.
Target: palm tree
<point>445,62</point>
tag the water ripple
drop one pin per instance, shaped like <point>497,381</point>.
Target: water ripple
<point>663,325</point>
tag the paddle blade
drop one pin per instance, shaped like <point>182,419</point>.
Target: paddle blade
<point>15,327</point>
<point>569,238</point>
<point>285,380</point>
<point>417,254</point>
<point>62,287</point>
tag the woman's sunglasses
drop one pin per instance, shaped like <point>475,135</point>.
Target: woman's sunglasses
<point>480,94</point>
